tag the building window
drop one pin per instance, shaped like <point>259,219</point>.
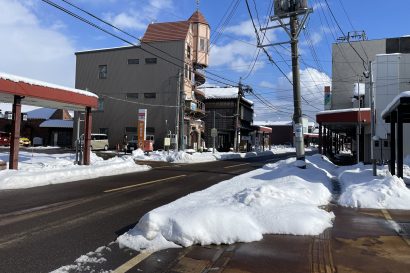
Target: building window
<point>150,95</point>
<point>133,61</point>
<point>150,60</point>
<point>100,106</point>
<point>132,96</point>
<point>102,71</point>
<point>188,51</point>
<point>186,71</point>
<point>104,131</point>
<point>376,143</point>
<point>203,45</point>
<point>386,143</point>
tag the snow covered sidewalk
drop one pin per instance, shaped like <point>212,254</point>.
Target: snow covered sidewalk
<point>360,189</point>
<point>39,169</point>
<point>278,198</point>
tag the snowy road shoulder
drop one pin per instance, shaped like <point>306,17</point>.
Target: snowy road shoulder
<point>277,199</point>
<point>45,169</point>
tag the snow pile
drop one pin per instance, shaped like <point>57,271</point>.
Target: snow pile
<point>279,198</point>
<point>39,169</point>
<point>194,157</point>
<point>361,189</point>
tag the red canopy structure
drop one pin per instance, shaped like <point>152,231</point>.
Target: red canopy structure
<point>19,90</point>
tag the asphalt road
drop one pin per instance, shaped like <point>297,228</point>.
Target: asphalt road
<point>44,228</point>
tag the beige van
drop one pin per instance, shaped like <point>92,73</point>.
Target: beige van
<point>98,141</point>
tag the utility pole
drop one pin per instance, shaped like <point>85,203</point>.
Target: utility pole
<point>372,121</point>
<point>177,111</point>
<point>213,137</point>
<point>237,119</point>
<point>297,105</point>
<point>292,9</point>
<point>182,113</point>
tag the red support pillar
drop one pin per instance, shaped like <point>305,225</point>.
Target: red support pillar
<point>15,134</point>
<point>320,138</point>
<point>87,135</point>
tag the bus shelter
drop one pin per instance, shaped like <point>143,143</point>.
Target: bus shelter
<point>19,90</point>
<point>397,113</point>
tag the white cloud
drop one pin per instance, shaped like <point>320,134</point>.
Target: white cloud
<point>125,20</point>
<point>312,89</point>
<point>32,50</point>
<point>266,84</point>
<point>138,18</point>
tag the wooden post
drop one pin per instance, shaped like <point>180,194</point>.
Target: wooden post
<point>320,139</point>
<point>392,143</point>
<point>87,135</point>
<point>399,142</point>
<point>15,134</point>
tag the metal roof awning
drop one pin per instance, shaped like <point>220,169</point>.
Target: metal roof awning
<point>19,90</point>
<point>344,120</point>
<point>41,94</point>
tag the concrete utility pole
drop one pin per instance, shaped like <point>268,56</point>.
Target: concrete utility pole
<point>297,104</point>
<point>237,119</point>
<point>291,9</point>
<point>182,113</point>
<point>177,111</point>
<point>372,122</point>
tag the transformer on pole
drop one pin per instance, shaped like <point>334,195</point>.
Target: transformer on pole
<point>292,10</point>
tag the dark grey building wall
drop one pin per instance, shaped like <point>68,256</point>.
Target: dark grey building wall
<point>120,111</point>
<point>225,122</point>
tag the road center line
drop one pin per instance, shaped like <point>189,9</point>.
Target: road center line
<point>233,166</point>
<point>133,262</point>
<point>145,183</point>
<point>395,226</point>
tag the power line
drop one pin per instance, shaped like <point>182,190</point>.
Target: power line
<point>124,40</point>
<point>338,25</point>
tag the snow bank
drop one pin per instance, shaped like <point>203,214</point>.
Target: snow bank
<point>363,190</point>
<point>194,157</point>
<point>279,198</point>
<point>37,169</point>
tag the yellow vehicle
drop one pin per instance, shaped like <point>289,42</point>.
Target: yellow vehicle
<point>25,141</point>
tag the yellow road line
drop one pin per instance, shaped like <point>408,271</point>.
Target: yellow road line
<point>145,183</point>
<point>395,226</point>
<point>133,262</point>
<point>233,166</point>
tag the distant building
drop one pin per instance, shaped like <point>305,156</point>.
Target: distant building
<point>44,127</point>
<point>161,73</point>
<point>221,105</point>
<point>348,119</point>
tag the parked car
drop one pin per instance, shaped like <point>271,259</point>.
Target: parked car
<point>25,141</point>
<point>132,145</point>
<point>98,141</point>
<point>4,139</point>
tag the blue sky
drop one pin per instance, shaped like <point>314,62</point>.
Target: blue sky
<point>39,41</point>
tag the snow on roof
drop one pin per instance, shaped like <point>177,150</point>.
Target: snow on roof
<point>104,49</point>
<point>395,101</point>
<point>273,123</point>
<point>40,113</point>
<point>57,123</point>
<point>222,93</point>
<point>17,79</point>
<point>342,111</point>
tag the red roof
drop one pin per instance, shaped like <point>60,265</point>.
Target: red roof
<point>160,32</point>
<point>197,17</point>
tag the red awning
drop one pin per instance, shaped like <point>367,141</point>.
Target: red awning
<point>352,115</point>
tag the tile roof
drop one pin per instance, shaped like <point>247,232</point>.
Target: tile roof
<point>198,17</point>
<point>172,31</point>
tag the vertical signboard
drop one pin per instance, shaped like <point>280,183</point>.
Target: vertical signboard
<point>142,125</point>
<point>328,98</point>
